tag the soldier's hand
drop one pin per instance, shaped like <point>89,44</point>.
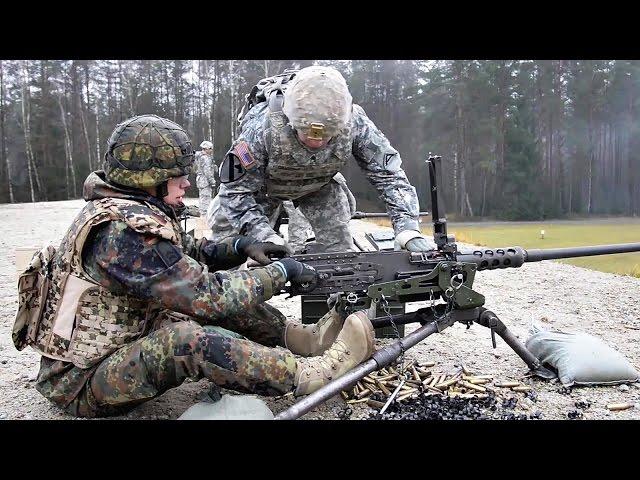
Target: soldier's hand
<point>278,240</point>
<point>192,211</point>
<point>299,274</point>
<point>420,244</point>
<point>258,251</point>
<point>264,252</point>
<point>414,241</point>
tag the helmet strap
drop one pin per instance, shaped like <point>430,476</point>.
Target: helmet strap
<point>162,190</point>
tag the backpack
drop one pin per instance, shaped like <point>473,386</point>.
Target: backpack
<point>271,90</point>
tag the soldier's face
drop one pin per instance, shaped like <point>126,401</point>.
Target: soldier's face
<point>176,186</point>
<point>312,142</point>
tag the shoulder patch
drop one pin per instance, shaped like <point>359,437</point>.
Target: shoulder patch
<point>231,168</point>
<point>168,253</point>
<point>241,150</point>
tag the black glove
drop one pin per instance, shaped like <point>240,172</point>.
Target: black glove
<point>298,273</point>
<point>259,251</point>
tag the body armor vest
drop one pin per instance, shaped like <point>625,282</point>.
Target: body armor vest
<point>83,322</point>
<point>292,171</point>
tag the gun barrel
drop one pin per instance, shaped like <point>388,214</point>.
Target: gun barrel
<point>512,257</point>
<point>537,255</point>
<point>493,258</point>
<point>284,218</point>
<point>358,215</point>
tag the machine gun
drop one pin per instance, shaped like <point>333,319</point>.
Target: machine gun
<point>443,277</point>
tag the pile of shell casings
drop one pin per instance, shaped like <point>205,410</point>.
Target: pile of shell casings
<point>461,383</point>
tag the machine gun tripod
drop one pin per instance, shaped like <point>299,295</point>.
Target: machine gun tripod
<point>433,320</point>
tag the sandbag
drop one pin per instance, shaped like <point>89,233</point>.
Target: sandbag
<point>580,358</point>
<point>229,407</point>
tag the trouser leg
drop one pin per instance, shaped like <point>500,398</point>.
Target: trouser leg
<point>264,324</point>
<point>204,199</point>
<point>299,228</point>
<point>165,358</point>
<point>329,213</point>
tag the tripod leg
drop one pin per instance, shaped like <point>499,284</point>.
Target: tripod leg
<point>489,319</point>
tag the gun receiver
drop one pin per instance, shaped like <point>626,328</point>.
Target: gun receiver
<point>398,275</point>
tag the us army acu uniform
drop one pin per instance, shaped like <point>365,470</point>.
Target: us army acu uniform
<point>268,164</point>
<point>129,306</point>
<point>205,176</point>
<point>299,229</point>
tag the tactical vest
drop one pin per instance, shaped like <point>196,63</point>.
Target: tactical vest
<point>83,322</point>
<point>292,171</point>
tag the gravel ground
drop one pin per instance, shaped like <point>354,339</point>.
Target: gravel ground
<point>556,295</point>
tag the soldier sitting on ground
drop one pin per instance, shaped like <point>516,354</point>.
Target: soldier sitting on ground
<point>129,305</point>
<point>299,132</point>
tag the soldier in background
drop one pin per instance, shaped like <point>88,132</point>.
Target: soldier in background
<point>129,305</point>
<point>205,177</point>
<point>291,147</point>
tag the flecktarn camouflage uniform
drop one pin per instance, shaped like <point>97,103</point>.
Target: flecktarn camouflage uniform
<point>136,306</point>
<point>129,306</point>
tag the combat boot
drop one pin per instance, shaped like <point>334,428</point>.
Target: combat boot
<point>355,344</point>
<point>313,339</point>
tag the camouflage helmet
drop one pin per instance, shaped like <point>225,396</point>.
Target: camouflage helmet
<point>146,150</point>
<point>317,102</point>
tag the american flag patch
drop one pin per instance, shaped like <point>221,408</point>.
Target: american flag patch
<point>241,151</point>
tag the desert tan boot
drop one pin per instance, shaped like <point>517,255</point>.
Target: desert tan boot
<point>313,339</point>
<point>355,343</point>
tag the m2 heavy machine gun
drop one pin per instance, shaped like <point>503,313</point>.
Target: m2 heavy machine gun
<point>315,306</point>
<point>443,277</point>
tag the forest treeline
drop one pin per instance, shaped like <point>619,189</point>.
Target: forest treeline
<point>521,139</point>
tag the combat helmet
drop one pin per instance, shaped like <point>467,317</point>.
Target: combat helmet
<point>317,102</point>
<point>146,150</point>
